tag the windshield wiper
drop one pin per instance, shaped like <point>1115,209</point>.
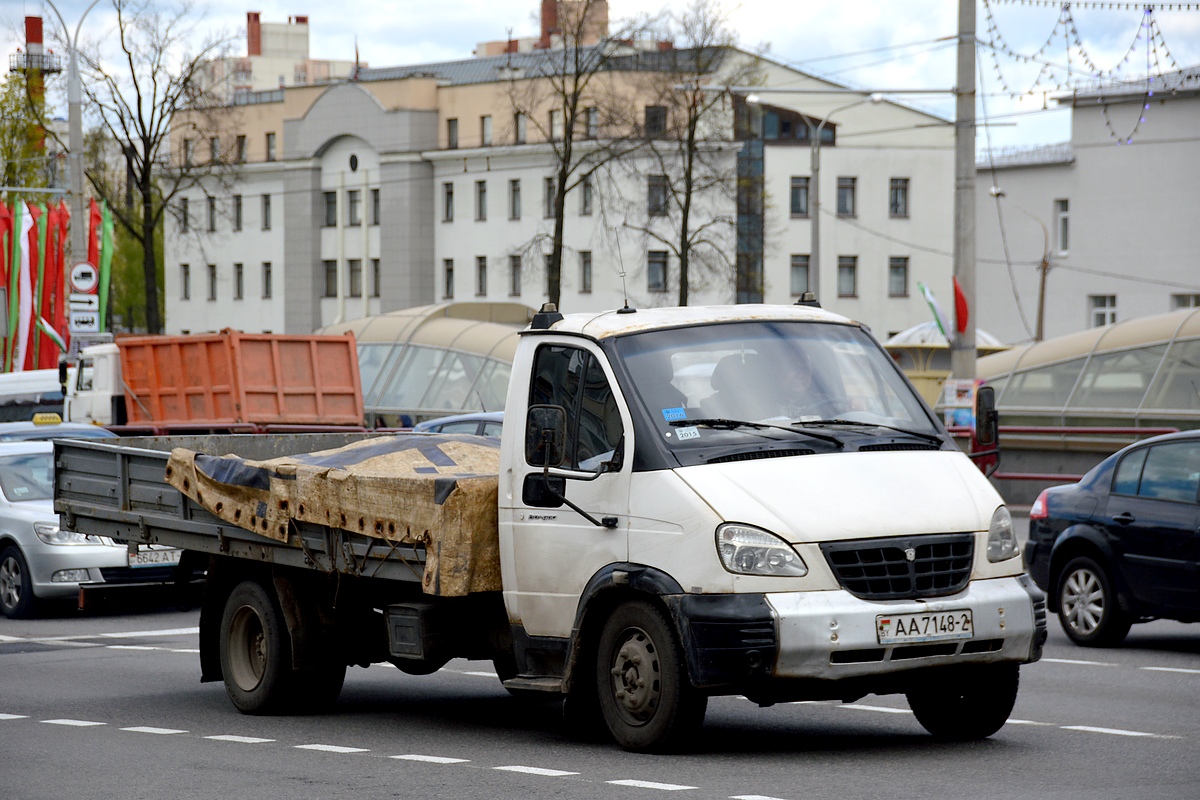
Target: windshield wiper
<point>732,424</point>
<point>929,437</point>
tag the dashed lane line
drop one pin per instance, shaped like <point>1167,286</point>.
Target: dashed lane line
<point>430,759</point>
<point>1031,722</point>
<point>158,731</point>
<point>73,723</point>
<point>754,797</point>
<point>881,709</point>
<point>1117,732</point>
<point>549,773</point>
<point>1180,670</point>
<point>229,737</point>
<point>131,647</point>
<point>331,748</point>
<point>666,787</point>
<point>14,716</point>
<point>1078,662</point>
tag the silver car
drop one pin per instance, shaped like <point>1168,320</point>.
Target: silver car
<point>38,560</point>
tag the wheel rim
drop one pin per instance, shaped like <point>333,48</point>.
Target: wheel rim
<point>247,649</point>
<point>1083,601</point>
<point>636,677</point>
<point>10,582</point>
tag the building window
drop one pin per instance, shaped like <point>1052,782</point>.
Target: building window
<point>266,212</point>
<point>656,271</point>
<point>485,130</point>
<point>1103,308</point>
<point>353,208</point>
<point>214,148</point>
<point>592,122</point>
<point>330,268</point>
<point>585,271</point>
<point>799,196</point>
<point>447,202</point>
<point>185,282</point>
<point>480,200</point>
<point>212,281</point>
<point>448,278</point>
<point>514,276</point>
<point>556,125</point>
<point>212,214</point>
<point>237,212</point>
<point>270,147</point>
<point>239,282</point>
<point>656,191</point>
<point>1062,225</point>
<point>356,277</point>
<point>452,134</point>
<point>898,276</point>
<point>656,121</point>
<point>241,148</point>
<point>1179,301</point>
<point>514,198</point>
<point>183,215</point>
<point>374,206</point>
<point>799,274</point>
<point>549,189</point>
<point>330,209</point>
<point>188,146</point>
<point>845,196</point>
<point>520,127</point>
<point>585,196</point>
<point>266,280</point>
<point>847,276</point>
<point>898,198</point>
<point>374,277</point>
<point>480,276</point>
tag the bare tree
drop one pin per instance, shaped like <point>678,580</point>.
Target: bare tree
<point>689,162</point>
<point>152,97</point>
<point>564,98</point>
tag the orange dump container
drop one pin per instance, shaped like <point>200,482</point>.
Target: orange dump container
<point>234,378</point>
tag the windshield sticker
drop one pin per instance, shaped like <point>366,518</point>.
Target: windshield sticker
<point>691,432</point>
<point>672,414</point>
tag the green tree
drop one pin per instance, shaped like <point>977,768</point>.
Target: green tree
<point>23,160</point>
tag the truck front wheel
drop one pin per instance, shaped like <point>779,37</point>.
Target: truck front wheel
<point>255,650</point>
<point>973,703</point>
<point>645,696</point>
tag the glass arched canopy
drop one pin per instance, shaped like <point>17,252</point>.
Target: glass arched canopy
<point>431,361</point>
<point>1142,372</point>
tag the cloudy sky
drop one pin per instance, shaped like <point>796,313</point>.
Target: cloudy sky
<point>899,43</point>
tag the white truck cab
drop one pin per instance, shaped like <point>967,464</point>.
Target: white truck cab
<point>751,500</point>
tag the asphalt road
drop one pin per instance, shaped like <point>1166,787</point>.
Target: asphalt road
<point>110,706</point>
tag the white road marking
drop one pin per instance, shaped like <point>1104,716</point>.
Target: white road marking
<point>754,797</point>
<point>1030,722</point>
<point>549,773</point>
<point>1077,662</point>
<point>432,759</point>
<point>73,723</point>
<point>140,634</point>
<point>14,716</point>
<point>1116,731</point>
<point>666,787</point>
<point>332,748</point>
<point>882,709</point>
<point>159,731</point>
<point>480,674</point>
<point>185,651</point>
<point>1173,669</point>
<point>228,737</point>
<point>130,647</point>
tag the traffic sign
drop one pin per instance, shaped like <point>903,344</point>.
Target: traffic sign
<point>84,302</point>
<point>84,322</point>
<point>84,277</point>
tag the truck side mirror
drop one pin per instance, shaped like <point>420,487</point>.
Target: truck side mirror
<point>545,435</point>
<point>987,420</point>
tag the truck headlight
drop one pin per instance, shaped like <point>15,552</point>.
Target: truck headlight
<point>752,551</point>
<point>50,533</point>
<point>1002,540</point>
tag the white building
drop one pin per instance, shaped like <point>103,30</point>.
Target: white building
<point>1116,211</point>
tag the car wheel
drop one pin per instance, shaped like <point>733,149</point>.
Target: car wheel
<point>16,585</point>
<point>972,703</point>
<point>1087,605</point>
<point>646,699</point>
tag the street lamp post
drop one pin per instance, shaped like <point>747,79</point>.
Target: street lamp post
<point>1043,268</point>
<point>75,135</point>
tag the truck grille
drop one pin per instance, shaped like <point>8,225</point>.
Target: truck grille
<point>879,569</point>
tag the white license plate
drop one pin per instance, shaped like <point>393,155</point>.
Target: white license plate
<point>930,627</point>
<point>155,558</point>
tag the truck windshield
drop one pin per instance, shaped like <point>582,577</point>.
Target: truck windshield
<point>806,376</point>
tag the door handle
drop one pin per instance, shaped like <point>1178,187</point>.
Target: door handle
<point>1124,518</point>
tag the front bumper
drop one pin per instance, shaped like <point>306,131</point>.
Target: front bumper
<point>832,635</point>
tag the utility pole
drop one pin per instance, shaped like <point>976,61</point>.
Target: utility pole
<point>962,349</point>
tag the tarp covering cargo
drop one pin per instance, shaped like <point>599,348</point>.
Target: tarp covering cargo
<point>437,490</point>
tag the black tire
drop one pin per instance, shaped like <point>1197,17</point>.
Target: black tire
<point>1088,608</point>
<point>645,696</point>
<point>972,703</point>
<point>256,659</point>
<point>16,585</point>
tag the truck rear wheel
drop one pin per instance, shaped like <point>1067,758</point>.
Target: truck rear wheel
<point>973,703</point>
<point>646,699</point>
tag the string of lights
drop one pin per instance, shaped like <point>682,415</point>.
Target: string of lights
<point>1103,5</point>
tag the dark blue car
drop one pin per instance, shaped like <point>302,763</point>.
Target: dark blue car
<point>1122,545</point>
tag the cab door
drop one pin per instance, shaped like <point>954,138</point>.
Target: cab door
<point>555,550</point>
